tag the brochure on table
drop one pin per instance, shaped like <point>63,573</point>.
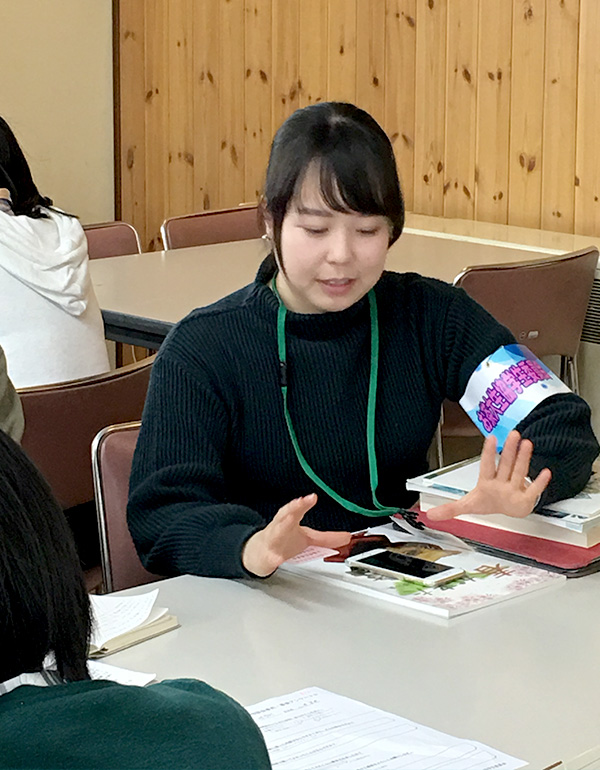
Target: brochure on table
<point>487,579</point>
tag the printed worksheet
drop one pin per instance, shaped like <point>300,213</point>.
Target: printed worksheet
<point>319,729</point>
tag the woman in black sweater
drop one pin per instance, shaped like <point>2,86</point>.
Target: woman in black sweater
<point>323,380</point>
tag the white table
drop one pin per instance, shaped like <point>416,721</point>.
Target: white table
<point>522,676</point>
<point>143,295</point>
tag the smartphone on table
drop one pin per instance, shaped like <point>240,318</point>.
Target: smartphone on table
<point>398,565</point>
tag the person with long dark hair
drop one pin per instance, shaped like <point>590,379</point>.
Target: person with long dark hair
<point>323,380</point>
<point>50,323</point>
<point>51,713</point>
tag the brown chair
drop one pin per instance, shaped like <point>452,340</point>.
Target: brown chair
<point>236,224</point>
<point>543,302</point>
<point>61,421</point>
<point>112,454</point>
<point>112,239</point>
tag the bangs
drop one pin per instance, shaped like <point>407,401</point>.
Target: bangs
<point>347,185</point>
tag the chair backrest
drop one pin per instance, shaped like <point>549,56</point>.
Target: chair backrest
<point>236,224</point>
<point>542,302</point>
<point>112,239</point>
<point>61,421</point>
<point>112,454</point>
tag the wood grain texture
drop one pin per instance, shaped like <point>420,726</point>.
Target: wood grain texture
<point>493,111</point>
<point>205,106</point>
<point>370,57</point>
<point>399,112</point>
<point>157,120</point>
<point>430,106</point>
<point>286,77</point>
<point>560,115</point>
<point>231,104</point>
<point>132,52</point>
<point>180,137</point>
<point>461,110</point>
<point>257,95</point>
<point>312,51</point>
<point>587,172</point>
<point>495,101</point>
<point>342,51</point>
<point>526,113</point>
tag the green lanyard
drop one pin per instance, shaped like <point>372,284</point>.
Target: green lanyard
<point>381,510</point>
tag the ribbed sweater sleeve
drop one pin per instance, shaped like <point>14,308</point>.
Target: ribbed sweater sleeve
<point>559,427</point>
<point>177,512</point>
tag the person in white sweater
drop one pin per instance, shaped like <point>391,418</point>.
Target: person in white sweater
<point>50,322</point>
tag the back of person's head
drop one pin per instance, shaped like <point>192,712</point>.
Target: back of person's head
<point>44,607</point>
<point>354,158</point>
<point>16,177</point>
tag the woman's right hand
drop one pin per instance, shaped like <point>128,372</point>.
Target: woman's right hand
<point>283,538</point>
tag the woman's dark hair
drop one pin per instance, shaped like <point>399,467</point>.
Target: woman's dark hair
<point>355,160</point>
<point>16,177</point>
<point>44,607</point>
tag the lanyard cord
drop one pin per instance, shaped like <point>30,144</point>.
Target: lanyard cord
<point>381,510</point>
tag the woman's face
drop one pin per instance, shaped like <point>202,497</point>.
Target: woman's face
<point>331,258</point>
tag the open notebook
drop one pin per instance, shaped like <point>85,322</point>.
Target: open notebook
<point>121,621</point>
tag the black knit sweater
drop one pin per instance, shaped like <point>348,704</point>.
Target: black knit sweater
<point>214,461</point>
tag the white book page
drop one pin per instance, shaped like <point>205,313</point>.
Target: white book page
<point>112,673</point>
<point>319,729</point>
<point>459,478</point>
<point>115,615</point>
<point>412,534</point>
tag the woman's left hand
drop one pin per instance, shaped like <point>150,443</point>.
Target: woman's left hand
<point>504,489</point>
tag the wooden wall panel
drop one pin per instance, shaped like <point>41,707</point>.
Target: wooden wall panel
<point>494,102</point>
<point>461,110</point>
<point>157,120</point>
<point>587,183</point>
<point>312,52</point>
<point>526,113</point>
<point>560,115</point>
<point>231,102</point>
<point>132,55</point>
<point>257,95</point>
<point>286,77</point>
<point>207,86</point>
<point>342,50</point>
<point>181,122</point>
<point>430,105</point>
<point>399,104</point>
<point>493,111</point>
<point>370,57</point>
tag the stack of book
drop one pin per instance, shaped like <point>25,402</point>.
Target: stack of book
<point>575,521</point>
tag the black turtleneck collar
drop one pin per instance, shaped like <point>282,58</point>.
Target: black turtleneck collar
<point>305,325</point>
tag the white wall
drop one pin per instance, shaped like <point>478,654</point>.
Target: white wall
<point>56,94</point>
